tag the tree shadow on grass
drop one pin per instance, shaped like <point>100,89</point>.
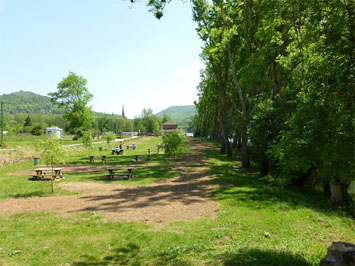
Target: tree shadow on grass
<point>252,191</point>
<point>129,255</point>
<point>262,257</point>
<point>38,193</point>
<point>120,256</point>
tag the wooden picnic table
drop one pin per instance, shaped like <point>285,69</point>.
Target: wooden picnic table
<point>123,172</point>
<point>42,172</point>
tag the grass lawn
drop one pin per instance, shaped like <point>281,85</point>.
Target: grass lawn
<point>257,224</point>
<point>29,140</point>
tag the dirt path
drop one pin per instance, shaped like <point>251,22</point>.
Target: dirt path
<point>186,197</point>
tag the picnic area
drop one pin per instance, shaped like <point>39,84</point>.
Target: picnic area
<point>196,207</point>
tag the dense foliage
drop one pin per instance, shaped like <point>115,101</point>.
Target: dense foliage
<point>28,102</point>
<point>52,151</point>
<point>279,81</point>
<point>73,97</point>
<point>174,142</point>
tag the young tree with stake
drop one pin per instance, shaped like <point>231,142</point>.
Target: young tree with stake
<point>52,152</point>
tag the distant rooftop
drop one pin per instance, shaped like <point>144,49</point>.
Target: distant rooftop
<point>169,123</point>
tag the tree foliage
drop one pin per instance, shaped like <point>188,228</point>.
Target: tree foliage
<point>147,122</point>
<point>28,121</point>
<point>52,151</point>
<point>73,97</point>
<point>279,79</point>
<point>28,102</point>
<point>110,136</point>
<point>88,140</point>
<point>174,142</point>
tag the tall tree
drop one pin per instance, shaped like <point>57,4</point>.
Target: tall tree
<point>166,118</point>
<point>73,97</point>
<point>150,122</point>
<point>281,73</point>
<point>28,122</point>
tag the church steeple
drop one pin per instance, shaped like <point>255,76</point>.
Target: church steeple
<point>123,115</point>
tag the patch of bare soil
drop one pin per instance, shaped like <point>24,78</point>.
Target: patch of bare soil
<point>186,197</point>
<point>87,186</point>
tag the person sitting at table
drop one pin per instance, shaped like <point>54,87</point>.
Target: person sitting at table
<point>112,151</point>
<point>117,150</point>
<point>121,149</point>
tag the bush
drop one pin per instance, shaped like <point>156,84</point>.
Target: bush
<point>174,142</point>
<point>27,129</point>
<point>37,131</point>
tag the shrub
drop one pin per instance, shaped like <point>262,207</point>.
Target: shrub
<point>37,131</point>
<point>174,142</point>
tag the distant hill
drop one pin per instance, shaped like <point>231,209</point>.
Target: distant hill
<point>28,102</point>
<point>180,114</point>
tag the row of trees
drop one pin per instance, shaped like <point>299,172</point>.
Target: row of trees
<point>279,81</point>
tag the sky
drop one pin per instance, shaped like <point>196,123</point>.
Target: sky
<point>128,56</point>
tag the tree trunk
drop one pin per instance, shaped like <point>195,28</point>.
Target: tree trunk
<point>222,113</point>
<point>265,167</point>
<point>235,138</point>
<point>223,147</point>
<point>239,145</point>
<point>245,150</point>
<point>52,179</point>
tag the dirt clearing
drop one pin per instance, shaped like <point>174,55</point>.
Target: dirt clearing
<point>186,197</point>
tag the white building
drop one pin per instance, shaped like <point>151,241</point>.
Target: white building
<point>54,130</point>
<point>132,134</point>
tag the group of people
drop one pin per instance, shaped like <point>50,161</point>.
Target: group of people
<point>119,150</point>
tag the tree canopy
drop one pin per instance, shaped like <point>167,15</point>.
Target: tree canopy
<point>73,97</point>
<point>279,80</point>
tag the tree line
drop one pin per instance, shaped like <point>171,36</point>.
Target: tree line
<point>72,99</point>
<point>278,84</point>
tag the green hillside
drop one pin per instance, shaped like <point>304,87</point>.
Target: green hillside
<point>179,114</point>
<point>28,102</point>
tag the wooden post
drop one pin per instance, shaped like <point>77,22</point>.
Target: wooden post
<point>2,123</point>
<point>52,184</point>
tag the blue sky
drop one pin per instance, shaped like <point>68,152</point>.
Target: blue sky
<point>128,57</point>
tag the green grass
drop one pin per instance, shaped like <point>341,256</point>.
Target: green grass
<point>18,186</point>
<point>26,140</point>
<point>15,186</point>
<point>257,224</point>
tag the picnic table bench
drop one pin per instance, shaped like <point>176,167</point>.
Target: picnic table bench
<point>42,173</point>
<point>120,172</point>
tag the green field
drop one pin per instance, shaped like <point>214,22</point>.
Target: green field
<point>28,140</point>
<point>256,223</point>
